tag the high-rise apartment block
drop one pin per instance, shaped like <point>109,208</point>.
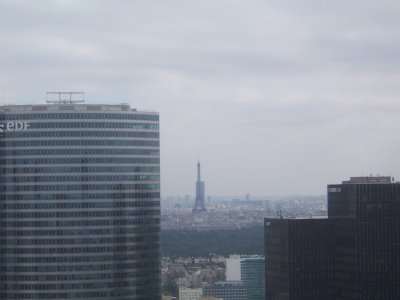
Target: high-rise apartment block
<point>351,255</point>
<point>79,202</point>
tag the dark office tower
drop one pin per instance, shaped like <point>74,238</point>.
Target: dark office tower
<point>300,259</point>
<point>79,202</point>
<point>200,202</point>
<point>363,237</point>
<point>368,255</point>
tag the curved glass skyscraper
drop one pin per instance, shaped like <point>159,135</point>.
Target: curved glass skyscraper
<point>79,202</point>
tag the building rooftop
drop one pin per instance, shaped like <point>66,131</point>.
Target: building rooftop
<point>297,217</point>
<point>308,217</point>
<point>369,179</point>
<point>224,283</point>
<point>74,107</point>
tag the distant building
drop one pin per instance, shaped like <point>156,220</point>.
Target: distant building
<point>200,202</point>
<point>233,268</point>
<point>189,293</point>
<point>351,255</point>
<point>252,273</point>
<point>250,269</point>
<point>228,290</point>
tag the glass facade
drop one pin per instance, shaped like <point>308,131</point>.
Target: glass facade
<point>79,202</point>
<point>227,290</point>
<point>252,273</point>
<point>300,256</point>
<point>351,255</point>
<point>369,239</point>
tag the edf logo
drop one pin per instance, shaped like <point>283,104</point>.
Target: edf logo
<point>10,126</point>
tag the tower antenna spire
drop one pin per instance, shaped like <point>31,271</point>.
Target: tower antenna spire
<point>198,171</point>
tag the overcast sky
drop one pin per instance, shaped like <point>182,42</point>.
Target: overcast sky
<point>274,97</point>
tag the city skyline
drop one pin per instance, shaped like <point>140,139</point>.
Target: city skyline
<point>288,95</point>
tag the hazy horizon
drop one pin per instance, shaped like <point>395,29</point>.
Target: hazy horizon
<point>279,98</point>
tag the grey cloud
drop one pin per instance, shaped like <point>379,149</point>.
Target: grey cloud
<point>294,94</point>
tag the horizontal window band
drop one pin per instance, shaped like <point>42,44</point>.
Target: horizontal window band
<point>83,142</point>
<point>77,115</point>
<point>93,125</point>
<point>80,151</point>
<point>78,205</point>
<point>82,196</point>
<point>82,169</point>
<point>83,178</point>
<point>54,233</point>
<point>78,214</point>
<point>152,219</point>
<point>50,134</point>
<point>73,249</point>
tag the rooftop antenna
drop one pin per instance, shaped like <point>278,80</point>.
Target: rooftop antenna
<point>65,97</point>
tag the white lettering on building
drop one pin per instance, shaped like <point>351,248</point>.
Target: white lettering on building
<point>13,126</point>
<point>335,190</point>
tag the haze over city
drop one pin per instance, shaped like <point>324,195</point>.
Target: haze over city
<point>277,97</point>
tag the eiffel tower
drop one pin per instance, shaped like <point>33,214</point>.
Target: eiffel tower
<point>200,202</point>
